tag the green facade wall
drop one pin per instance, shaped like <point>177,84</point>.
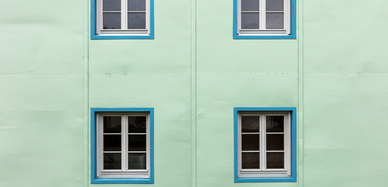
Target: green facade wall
<point>193,73</point>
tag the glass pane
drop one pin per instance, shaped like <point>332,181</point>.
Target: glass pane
<point>274,5</point>
<point>112,161</point>
<point>275,160</point>
<point>137,161</point>
<point>112,20</point>
<point>111,5</point>
<point>250,160</point>
<point>249,5</point>
<point>112,142</point>
<point>136,20</point>
<point>275,20</point>
<point>275,123</point>
<point>136,5</point>
<point>250,142</point>
<point>275,142</point>
<point>137,143</point>
<point>250,123</point>
<point>112,124</point>
<point>137,124</point>
<point>250,20</point>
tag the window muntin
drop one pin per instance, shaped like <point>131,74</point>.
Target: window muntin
<point>122,145</point>
<point>265,144</point>
<point>123,17</point>
<point>264,18</point>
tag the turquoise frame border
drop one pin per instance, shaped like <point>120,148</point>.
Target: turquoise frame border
<point>292,178</point>
<point>93,25</point>
<point>93,148</point>
<point>293,25</point>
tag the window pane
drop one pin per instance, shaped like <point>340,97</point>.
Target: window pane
<point>136,20</point>
<point>275,124</point>
<point>249,5</point>
<point>274,5</point>
<point>112,5</point>
<point>136,5</point>
<point>112,20</point>
<point>250,142</point>
<point>112,142</point>
<point>275,20</point>
<point>275,160</point>
<point>112,161</point>
<point>137,124</point>
<point>137,161</point>
<point>250,160</point>
<point>137,143</point>
<point>112,124</point>
<point>275,142</point>
<point>250,123</point>
<point>250,20</point>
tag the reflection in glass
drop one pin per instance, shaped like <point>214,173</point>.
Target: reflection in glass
<point>249,5</point>
<point>275,20</point>
<point>111,5</point>
<point>250,142</point>
<point>250,123</point>
<point>111,20</point>
<point>274,5</point>
<point>275,142</point>
<point>250,20</point>
<point>137,124</point>
<point>137,161</point>
<point>136,5</point>
<point>250,160</point>
<point>112,142</point>
<point>112,161</point>
<point>275,123</point>
<point>275,160</point>
<point>112,124</point>
<point>137,143</point>
<point>136,20</point>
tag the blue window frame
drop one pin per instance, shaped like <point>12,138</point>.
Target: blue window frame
<point>122,145</point>
<point>264,19</point>
<point>122,19</point>
<point>264,144</point>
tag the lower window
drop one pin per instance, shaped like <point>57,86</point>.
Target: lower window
<point>265,144</point>
<point>122,145</point>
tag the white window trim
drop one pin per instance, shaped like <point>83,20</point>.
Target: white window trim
<point>263,172</point>
<point>124,23</point>
<point>122,173</point>
<point>262,21</point>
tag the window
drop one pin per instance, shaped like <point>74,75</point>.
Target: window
<point>122,19</point>
<point>122,145</point>
<point>265,144</point>
<point>264,19</point>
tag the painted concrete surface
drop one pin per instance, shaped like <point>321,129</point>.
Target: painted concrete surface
<point>193,73</point>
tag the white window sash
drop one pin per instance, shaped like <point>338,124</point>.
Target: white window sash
<point>124,171</point>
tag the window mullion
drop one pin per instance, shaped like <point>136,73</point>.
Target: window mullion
<point>263,148</point>
<point>263,20</point>
<point>124,145</point>
<point>124,16</point>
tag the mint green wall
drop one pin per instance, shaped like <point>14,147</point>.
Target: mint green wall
<point>345,93</point>
<point>193,73</point>
<point>42,110</point>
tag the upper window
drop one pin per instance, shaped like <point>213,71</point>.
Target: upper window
<point>265,144</point>
<point>266,19</point>
<point>122,19</point>
<point>122,145</point>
